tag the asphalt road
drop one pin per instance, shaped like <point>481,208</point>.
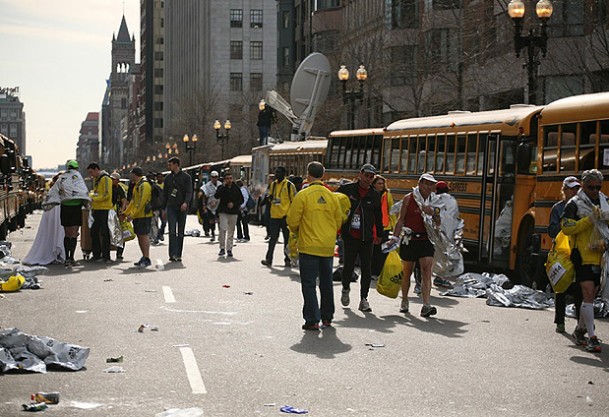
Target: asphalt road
<point>229,342</point>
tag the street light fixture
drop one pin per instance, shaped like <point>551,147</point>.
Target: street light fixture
<point>191,145</point>
<point>350,97</point>
<point>533,42</point>
<point>222,137</point>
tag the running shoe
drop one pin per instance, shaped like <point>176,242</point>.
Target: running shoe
<point>310,326</point>
<point>443,283</point>
<point>560,328</point>
<point>229,254</point>
<point>364,306</point>
<point>578,337</point>
<point>417,288</point>
<point>428,310</point>
<point>593,345</point>
<point>266,263</point>
<point>344,298</point>
<point>405,306</point>
<point>222,252</point>
<point>326,323</point>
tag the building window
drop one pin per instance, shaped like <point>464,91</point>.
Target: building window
<point>236,18</point>
<point>404,14</point>
<point>123,103</point>
<point>158,123</point>
<point>256,18</point>
<point>567,19</point>
<point>158,72</point>
<point>158,56</point>
<point>404,65</point>
<point>256,82</point>
<point>285,57</point>
<point>158,105</point>
<point>256,50</point>
<point>236,49</point>
<point>438,46</point>
<point>446,4</point>
<point>236,81</point>
<point>285,18</point>
<point>158,89</point>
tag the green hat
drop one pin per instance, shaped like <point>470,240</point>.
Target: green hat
<point>72,164</point>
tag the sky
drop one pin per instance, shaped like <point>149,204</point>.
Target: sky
<point>58,52</point>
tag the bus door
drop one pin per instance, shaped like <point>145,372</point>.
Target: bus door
<point>496,201</point>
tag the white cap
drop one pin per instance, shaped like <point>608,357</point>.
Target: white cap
<point>427,176</point>
<point>571,182</point>
<point>214,174</point>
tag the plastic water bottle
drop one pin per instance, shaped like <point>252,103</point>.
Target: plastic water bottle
<point>159,265</point>
<point>35,407</point>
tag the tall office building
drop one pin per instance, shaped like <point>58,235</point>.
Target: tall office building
<point>152,48</point>
<point>12,117</point>
<point>220,58</point>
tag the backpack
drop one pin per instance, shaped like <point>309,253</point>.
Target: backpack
<point>156,202</point>
<point>250,203</point>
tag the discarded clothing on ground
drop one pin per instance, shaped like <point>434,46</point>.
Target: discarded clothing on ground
<point>193,233</point>
<point>474,285</point>
<point>601,309</point>
<point>20,351</point>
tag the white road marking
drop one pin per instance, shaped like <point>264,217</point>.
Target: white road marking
<point>192,371</point>
<point>168,294</point>
<point>173,310</point>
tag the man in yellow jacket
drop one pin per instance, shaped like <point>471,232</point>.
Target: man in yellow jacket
<point>140,212</point>
<point>281,193</point>
<point>101,203</point>
<point>315,216</point>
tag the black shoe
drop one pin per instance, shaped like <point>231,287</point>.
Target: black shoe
<point>222,252</point>
<point>178,259</point>
<point>427,311</point>
<point>310,326</point>
<point>172,259</point>
<point>266,263</point>
<point>229,254</point>
<point>287,264</point>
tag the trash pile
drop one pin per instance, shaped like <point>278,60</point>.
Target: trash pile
<point>472,285</point>
<point>13,275</point>
<point>20,351</point>
<point>601,309</point>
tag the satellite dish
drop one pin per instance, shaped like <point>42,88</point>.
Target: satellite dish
<point>311,84</point>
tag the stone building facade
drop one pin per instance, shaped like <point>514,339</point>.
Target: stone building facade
<point>87,149</point>
<point>12,117</point>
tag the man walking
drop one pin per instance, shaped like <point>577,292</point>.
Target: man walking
<point>315,216</point>
<point>280,194</point>
<point>140,212</point>
<point>230,199</point>
<point>177,192</point>
<point>101,203</point>
<point>360,232</point>
<point>210,204</point>
<point>586,215</point>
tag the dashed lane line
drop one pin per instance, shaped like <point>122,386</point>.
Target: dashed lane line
<point>168,294</point>
<point>192,370</point>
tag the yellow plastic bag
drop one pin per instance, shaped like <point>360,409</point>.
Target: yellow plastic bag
<point>127,229</point>
<point>560,269</point>
<point>14,283</point>
<point>390,281</point>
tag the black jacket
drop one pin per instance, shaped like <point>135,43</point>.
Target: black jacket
<point>370,209</point>
<point>177,189</point>
<point>227,195</point>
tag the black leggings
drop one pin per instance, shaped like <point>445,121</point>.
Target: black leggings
<point>353,248</point>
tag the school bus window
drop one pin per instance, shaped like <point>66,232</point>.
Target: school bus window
<point>404,158</point>
<point>440,150</point>
<point>395,155</point>
<point>470,153</point>
<point>450,154</point>
<point>387,156</point>
<point>603,155</point>
<point>461,154</point>
<point>568,150</point>
<point>508,165</point>
<point>550,148</point>
<point>374,150</point>
<point>420,154</point>
<point>482,140</point>
<point>587,146</point>
<point>431,153</point>
<point>412,154</point>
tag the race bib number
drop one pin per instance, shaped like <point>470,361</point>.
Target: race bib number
<point>356,222</point>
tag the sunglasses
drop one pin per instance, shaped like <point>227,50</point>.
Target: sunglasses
<point>594,187</point>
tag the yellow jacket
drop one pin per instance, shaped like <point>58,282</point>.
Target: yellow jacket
<point>315,215</point>
<point>281,196</point>
<point>345,206</point>
<point>142,194</point>
<point>101,196</point>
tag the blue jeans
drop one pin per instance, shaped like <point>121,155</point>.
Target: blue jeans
<point>176,220</point>
<point>310,268</point>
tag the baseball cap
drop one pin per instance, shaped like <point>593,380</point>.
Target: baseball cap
<point>72,164</point>
<point>428,177</point>
<point>115,176</point>
<point>571,182</point>
<point>441,185</point>
<point>368,168</point>
<point>137,171</point>
<point>214,174</point>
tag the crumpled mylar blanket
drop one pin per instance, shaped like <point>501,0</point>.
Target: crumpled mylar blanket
<point>21,351</point>
<point>487,285</point>
<point>69,186</point>
<point>601,309</point>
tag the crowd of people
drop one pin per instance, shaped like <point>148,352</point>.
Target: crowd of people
<point>358,217</point>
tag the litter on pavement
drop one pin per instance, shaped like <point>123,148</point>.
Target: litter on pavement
<point>115,370</point>
<point>292,410</point>
<point>114,359</point>
<point>487,285</point>
<point>181,412</point>
<point>21,351</point>
<point>84,406</point>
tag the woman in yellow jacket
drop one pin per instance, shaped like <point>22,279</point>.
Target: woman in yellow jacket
<point>378,257</point>
<point>140,212</point>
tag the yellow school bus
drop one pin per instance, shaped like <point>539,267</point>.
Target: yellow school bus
<point>573,137</point>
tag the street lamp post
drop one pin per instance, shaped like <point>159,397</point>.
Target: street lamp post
<point>533,42</point>
<point>222,138</point>
<point>349,97</point>
<point>190,144</point>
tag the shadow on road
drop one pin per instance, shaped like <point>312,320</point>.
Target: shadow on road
<point>324,344</point>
